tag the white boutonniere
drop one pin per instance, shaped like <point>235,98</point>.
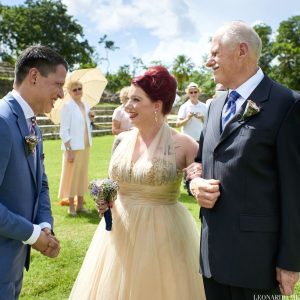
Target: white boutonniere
<point>250,110</point>
<point>31,141</point>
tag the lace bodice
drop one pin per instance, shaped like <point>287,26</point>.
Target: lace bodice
<point>154,176</point>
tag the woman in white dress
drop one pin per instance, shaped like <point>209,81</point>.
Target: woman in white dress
<point>120,118</point>
<point>75,132</point>
<point>152,251</point>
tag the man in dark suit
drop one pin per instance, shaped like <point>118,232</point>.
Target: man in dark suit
<point>249,195</point>
<point>25,213</point>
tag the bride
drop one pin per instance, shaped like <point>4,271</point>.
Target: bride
<point>153,248</point>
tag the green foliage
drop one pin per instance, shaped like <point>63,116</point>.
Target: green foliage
<point>157,63</point>
<point>264,31</point>
<point>44,22</point>
<point>182,68</point>
<point>203,78</point>
<point>8,58</point>
<point>117,81</point>
<point>287,51</point>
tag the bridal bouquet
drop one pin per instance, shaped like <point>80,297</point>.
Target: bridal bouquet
<point>104,190</point>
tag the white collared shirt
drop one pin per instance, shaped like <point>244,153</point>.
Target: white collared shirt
<point>246,89</point>
<point>28,113</point>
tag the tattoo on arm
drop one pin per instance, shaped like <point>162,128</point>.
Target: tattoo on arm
<point>115,144</point>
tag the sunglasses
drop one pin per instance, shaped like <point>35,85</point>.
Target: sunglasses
<point>77,89</point>
<point>195,92</point>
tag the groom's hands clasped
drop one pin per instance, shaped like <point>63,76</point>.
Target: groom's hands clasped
<point>47,244</point>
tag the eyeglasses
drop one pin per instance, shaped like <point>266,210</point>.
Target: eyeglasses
<point>194,92</point>
<point>77,89</point>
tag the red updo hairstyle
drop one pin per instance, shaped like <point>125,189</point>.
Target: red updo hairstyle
<point>158,84</point>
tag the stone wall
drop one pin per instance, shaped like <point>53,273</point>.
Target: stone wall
<point>102,123</point>
<point>5,86</point>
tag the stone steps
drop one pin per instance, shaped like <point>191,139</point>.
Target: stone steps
<point>102,124</point>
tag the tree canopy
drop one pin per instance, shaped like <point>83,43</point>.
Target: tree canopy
<point>43,22</point>
<point>47,22</point>
<point>287,52</point>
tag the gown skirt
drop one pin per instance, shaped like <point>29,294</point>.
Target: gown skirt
<point>152,252</point>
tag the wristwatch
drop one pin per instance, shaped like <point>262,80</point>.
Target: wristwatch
<point>68,148</point>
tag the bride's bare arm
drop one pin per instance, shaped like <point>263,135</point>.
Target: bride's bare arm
<point>190,149</point>
<point>186,150</point>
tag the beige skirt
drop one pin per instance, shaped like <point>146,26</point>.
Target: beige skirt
<point>74,176</point>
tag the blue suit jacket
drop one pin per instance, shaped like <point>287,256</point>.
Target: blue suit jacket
<point>24,197</point>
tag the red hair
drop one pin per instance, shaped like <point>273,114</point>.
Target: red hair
<point>158,84</point>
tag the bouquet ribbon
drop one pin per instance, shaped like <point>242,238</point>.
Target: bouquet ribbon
<point>108,219</point>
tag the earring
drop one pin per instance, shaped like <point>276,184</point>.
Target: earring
<point>155,116</point>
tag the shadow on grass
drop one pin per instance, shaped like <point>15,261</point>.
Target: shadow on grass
<point>91,216</point>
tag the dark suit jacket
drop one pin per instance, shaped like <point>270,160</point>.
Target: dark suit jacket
<point>255,224</point>
<point>24,197</point>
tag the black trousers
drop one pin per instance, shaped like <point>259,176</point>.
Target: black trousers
<point>218,291</point>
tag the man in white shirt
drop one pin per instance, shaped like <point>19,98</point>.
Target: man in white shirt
<point>248,189</point>
<point>25,213</point>
<point>191,115</point>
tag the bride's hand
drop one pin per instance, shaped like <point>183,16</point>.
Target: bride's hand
<point>103,206</point>
<point>193,170</point>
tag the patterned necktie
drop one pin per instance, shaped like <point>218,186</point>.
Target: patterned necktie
<point>230,107</point>
<point>33,124</point>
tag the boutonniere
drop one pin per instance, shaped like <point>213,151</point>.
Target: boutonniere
<point>31,141</point>
<point>250,110</point>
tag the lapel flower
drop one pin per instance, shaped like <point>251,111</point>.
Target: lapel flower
<point>250,110</point>
<point>31,141</point>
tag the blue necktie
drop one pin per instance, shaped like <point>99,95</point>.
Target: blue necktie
<point>230,108</point>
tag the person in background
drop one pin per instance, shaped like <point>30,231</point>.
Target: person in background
<point>25,213</point>
<point>191,115</point>
<point>75,132</point>
<point>220,91</point>
<point>120,118</point>
<point>152,251</point>
<point>249,189</point>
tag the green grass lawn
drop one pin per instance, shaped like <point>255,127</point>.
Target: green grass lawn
<point>52,279</point>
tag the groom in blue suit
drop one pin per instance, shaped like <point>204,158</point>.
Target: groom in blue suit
<point>25,214</point>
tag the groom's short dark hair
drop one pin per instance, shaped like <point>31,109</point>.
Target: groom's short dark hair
<point>41,57</point>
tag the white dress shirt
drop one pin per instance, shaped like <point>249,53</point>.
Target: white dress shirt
<point>246,89</point>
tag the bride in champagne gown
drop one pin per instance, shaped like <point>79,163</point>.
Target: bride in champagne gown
<point>153,249</point>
